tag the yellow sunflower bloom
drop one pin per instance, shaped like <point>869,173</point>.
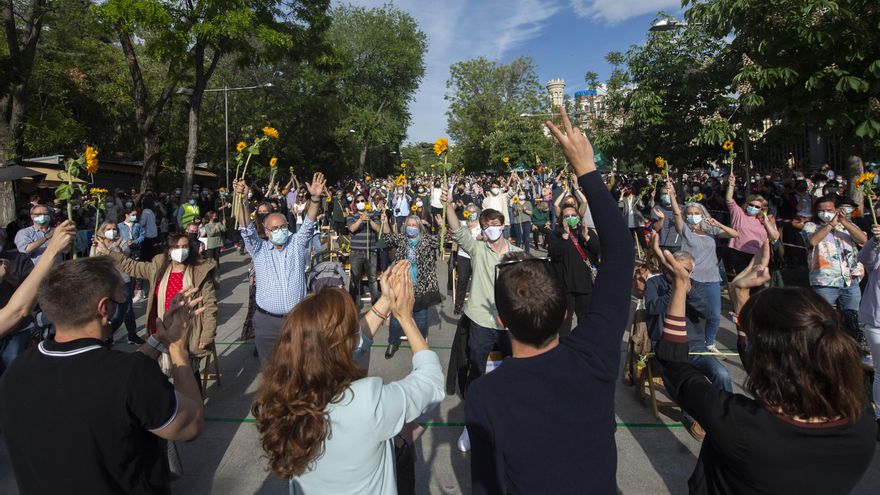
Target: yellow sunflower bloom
<point>403,165</point>
<point>467,214</point>
<point>506,159</point>
<point>91,156</point>
<point>441,146</point>
<point>367,207</point>
<point>728,145</point>
<point>866,177</point>
<point>273,161</point>
<point>271,132</point>
<point>414,208</point>
<point>368,178</point>
<point>660,162</point>
<point>401,180</point>
<point>241,146</point>
<point>515,200</point>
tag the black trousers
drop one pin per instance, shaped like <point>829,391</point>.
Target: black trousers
<point>578,304</point>
<point>463,266</point>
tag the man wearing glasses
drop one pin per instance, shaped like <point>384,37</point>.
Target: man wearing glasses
<point>279,264</point>
<point>543,422</point>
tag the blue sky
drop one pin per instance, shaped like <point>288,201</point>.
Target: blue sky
<point>566,38</point>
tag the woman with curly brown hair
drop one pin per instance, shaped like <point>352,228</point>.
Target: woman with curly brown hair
<point>806,427</point>
<point>324,424</point>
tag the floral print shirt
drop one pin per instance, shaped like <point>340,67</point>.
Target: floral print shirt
<point>834,261</point>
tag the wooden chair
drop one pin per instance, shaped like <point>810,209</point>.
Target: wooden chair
<point>206,374</point>
<point>646,379</point>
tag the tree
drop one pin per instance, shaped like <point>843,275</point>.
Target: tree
<point>381,52</point>
<point>483,93</point>
<point>813,63</point>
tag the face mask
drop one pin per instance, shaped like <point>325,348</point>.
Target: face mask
<point>412,232</point>
<point>496,191</point>
<point>361,206</point>
<point>848,210</point>
<point>665,199</point>
<point>572,222</point>
<point>695,189</point>
<point>177,192</point>
<point>280,236</point>
<point>129,204</point>
<point>262,217</point>
<point>694,219</point>
<point>132,218</point>
<point>41,219</point>
<point>108,204</point>
<point>752,211</point>
<point>179,254</point>
<point>192,201</point>
<point>110,235</point>
<point>521,197</point>
<point>419,204</point>
<point>826,216</point>
<point>493,232</point>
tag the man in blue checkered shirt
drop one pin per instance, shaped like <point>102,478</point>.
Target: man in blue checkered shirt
<point>279,263</point>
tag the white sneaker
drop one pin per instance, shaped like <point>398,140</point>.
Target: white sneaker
<point>464,441</point>
<point>713,349</point>
<point>138,296</point>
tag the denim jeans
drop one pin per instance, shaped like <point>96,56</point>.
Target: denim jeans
<point>395,330</point>
<point>130,320</point>
<point>712,290</point>
<point>522,231</point>
<point>481,340</point>
<point>872,334</point>
<point>12,346</point>
<point>846,298</point>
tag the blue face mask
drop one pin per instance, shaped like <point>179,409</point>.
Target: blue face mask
<point>280,236</point>
<point>192,201</point>
<point>752,211</point>
<point>665,199</point>
<point>412,231</point>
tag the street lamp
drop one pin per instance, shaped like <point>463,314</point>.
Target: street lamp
<point>225,90</point>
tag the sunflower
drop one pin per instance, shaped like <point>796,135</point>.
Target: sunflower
<point>401,180</point>
<point>466,214</point>
<point>403,165</point>
<point>368,178</point>
<point>91,156</point>
<point>515,200</point>
<point>699,197</point>
<point>660,162</point>
<point>273,161</point>
<point>440,146</point>
<point>728,145</point>
<point>432,165</point>
<point>865,177</point>
<point>367,207</point>
<point>329,200</point>
<point>241,146</point>
<point>271,132</point>
<point>97,191</point>
<point>414,208</point>
<point>506,160</point>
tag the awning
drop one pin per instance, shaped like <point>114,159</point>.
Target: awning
<point>53,176</point>
<point>16,172</point>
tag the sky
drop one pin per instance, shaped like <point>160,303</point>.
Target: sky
<point>565,38</point>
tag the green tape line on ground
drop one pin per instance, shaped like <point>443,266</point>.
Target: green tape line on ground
<point>378,346</point>
<point>459,424</point>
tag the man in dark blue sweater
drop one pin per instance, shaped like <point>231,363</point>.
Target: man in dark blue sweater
<point>543,422</point>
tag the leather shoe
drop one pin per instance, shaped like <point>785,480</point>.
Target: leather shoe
<point>696,431</point>
<point>391,350</point>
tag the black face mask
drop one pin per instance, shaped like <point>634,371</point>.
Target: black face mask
<point>262,217</point>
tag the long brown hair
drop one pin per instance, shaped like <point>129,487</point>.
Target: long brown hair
<point>311,367</point>
<point>799,360</point>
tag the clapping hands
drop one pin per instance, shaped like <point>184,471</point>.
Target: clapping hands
<point>172,329</point>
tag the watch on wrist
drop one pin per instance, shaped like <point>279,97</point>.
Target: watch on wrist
<point>155,344</point>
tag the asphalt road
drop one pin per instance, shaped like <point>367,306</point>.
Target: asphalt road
<point>655,456</point>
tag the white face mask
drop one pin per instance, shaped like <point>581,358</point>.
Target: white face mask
<point>361,206</point>
<point>110,235</point>
<point>694,219</point>
<point>826,216</point>
<point>419,204</point>
<point>179,254</point>
<point>522,197</point>
<point>493,232</point>
<point>496,191</point>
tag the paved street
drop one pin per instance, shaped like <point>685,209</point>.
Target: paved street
<point>654,457</point>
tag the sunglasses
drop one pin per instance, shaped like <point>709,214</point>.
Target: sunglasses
<point>505,264</point>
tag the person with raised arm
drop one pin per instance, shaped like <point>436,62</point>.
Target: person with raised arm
<point>543,421</point>
<point>806,427</point>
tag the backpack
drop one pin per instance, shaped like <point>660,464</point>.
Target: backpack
<point>325,274</point>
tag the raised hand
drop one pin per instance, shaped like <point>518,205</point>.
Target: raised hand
<point>172,329</point>
<point>402,288</point>
<point>875,230</point>
<point>62,236</point>
<point>659,213</point>
<point>445,197</point>
<point>575,145</point>
<point>316,187</point>
<point>679,272</point>
<point>240,187</point>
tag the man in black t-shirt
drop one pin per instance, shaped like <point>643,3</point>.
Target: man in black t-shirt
<point>78,417</point>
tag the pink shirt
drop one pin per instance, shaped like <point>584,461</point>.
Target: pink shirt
<point>751,231</point>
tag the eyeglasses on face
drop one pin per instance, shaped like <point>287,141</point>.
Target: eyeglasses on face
<point>278,227</point>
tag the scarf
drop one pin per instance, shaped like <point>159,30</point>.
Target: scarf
<point>411,257</point>
<point>163,287</point>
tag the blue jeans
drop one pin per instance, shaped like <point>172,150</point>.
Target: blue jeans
<point>506,232</point>
<point>846,298</point>
<point>12,346</point>
<point>130,320</point>
<point>712,290</point>
<point>522,231</point>
<point>395,330</point>
<point>481,340</point>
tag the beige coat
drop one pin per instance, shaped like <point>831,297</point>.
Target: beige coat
<point>205,327</point>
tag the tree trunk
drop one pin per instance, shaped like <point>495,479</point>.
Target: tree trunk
<point>11,145</point>
<point>363,157</point>
<point>854,168</point>
<point>150,174</point>
<point>192,142</point>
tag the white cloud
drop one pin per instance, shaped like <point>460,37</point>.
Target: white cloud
<point>614,11</point>
<point>459,30</point>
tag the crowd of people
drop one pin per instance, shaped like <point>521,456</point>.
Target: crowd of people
<point>796,255</point>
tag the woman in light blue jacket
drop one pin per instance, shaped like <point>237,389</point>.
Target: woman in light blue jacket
<point>325,425</point>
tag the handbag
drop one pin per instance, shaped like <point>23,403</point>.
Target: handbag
<point>405,465</point>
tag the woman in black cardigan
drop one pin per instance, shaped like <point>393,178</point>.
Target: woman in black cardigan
<point>573,249</point>
<point>807,427</point>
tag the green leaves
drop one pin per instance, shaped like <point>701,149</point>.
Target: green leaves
<point>870,129</point>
